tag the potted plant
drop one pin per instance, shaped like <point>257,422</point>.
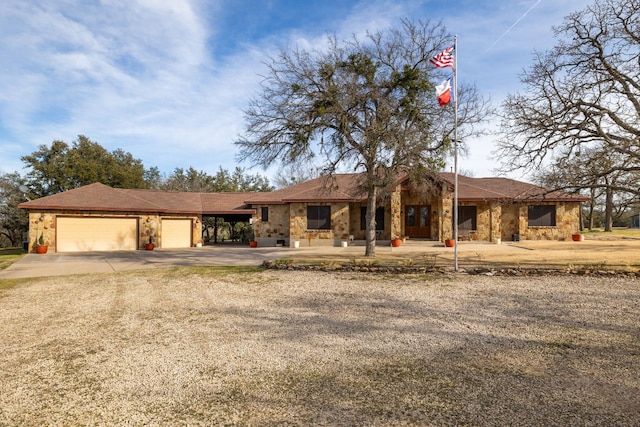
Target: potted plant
<point>577,237</point>
<point>449,243</point>
<point>149,246</point>
<point>396,242</point>
<point>250,236</point>
<point>39,246</point>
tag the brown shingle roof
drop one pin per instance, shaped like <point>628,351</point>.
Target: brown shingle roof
<point>100,197</point>
<point>506,189</point>
<point>338,188</point>
<point>344,188</point>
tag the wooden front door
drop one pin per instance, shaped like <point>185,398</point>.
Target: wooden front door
<point>417,222</point>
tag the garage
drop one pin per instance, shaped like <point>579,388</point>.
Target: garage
<point>96,234</point>
<point>176,233</point>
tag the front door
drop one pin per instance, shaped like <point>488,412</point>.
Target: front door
<point>417,221</point>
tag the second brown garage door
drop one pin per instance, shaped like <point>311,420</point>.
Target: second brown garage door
<point>176,233</point>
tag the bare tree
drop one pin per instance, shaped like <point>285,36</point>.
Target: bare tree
<point>360,105</point>
<point>584,93</point>
<point>601,173</point>
<point>295,173</point>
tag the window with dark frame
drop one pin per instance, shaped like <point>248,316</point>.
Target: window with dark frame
<point>467,218</point>
<point>379,218</point>
<point>542,216</point>
<point>318,217</point>
<point>264,213</point>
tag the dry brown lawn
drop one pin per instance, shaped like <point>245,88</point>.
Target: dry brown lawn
<point>598,251</point>
<point>211,346</point>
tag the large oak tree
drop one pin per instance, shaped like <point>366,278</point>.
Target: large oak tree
<point>364,105</point>
<point>61,167</point>
<point>581,97</point>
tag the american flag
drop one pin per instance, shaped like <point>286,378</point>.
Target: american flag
<point>444,59</point>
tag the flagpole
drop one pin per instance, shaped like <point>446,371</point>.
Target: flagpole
<point>455,153</point>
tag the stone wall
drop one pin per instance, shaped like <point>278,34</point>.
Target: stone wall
<point>510,221</point>
<point>494,221</point>
<point>42,223</point>
<point>445,216</point>
<point>339,231</point>
<point>267,233</point>
<point>354,221</point>
<point>567,223</point>
<point>395,214</point>
<point>149,227</point>
<point>356,228</point>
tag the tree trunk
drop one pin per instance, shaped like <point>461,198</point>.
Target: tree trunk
<point>592,208</point>
<point>371,222</point>
<point>608,212</point>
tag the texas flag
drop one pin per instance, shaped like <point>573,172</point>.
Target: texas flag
<point>443,92</point>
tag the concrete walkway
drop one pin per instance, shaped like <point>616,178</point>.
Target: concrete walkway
<point>57,264</point>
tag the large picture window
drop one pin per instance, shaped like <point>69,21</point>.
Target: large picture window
<point>467,218</point>
<point>379,218</point>
<point>542,216</point>
<point>318,217</point>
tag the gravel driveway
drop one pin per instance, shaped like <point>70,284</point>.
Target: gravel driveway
<point>205,346</point>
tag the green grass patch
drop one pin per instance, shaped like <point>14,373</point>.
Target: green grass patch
<point>620,232</point>
<point>204,270</point>
<point>9,255</point>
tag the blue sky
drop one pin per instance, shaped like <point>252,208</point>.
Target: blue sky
<point>167,80</point>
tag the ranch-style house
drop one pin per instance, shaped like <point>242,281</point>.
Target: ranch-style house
<point>322,211</point>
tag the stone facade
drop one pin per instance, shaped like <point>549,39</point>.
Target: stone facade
<point>495,221</point>
<point>276,227</point>
<point>42,223</point>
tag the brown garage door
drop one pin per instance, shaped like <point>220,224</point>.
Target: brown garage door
<point>96,234</point>
<point>176,233</point>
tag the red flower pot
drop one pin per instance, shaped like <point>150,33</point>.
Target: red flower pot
<point>253,244</point>
<point>449,243</point>
<point>577,237</point>
<point>396,242</point>
<point>42,249</point>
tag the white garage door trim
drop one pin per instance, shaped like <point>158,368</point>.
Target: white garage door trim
<point>83,234</point>
<point>176,233</point>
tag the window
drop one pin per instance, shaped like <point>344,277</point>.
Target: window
<point>542,216</point>
<point>379,218</point>
<point>319,217</point>
<point>467,217</point>
<point>264,213</point>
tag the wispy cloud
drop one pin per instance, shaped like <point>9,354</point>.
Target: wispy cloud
<point>512,26</point>
<point>167,81</point>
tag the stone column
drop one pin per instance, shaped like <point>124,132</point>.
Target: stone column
<point>446,216</point>
<point>396,216</point>
<point>496,222</point>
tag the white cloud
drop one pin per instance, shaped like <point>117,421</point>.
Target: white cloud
<point>142,75</point>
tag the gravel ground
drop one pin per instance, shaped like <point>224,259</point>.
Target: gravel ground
<point>204,346</point>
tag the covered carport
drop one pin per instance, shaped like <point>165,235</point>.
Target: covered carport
<point>227,208</point>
